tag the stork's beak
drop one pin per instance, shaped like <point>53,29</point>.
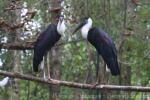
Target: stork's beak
<point>61,19</point>
<point>79,26</point>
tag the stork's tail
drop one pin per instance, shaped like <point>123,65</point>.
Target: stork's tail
<point>115,71</point>
<point>35,64</point>
<point>114,68</point>
<point>37,58</point>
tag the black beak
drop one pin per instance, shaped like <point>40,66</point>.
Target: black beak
<point>79,26</point>
<point>61,20</point>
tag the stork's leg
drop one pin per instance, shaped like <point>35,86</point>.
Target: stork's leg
<point>44,75</point>
<point>97,83</point>
<point>48,68</point>
<point>42,68</point>
<point>49,76</point>
<point>97,71</point>
<point>45,65</point>
<point>99,80</point>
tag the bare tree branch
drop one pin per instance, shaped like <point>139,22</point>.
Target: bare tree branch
<point>74,84</point>
<point>29,45</point>
<point>17,46</point>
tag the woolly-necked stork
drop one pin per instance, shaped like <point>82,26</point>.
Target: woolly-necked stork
<point>47,40</point>
<point>102,42</point>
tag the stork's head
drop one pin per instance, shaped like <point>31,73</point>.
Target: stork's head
<point>61,18</point>
<point>61,25</point>
<point>85,23</point>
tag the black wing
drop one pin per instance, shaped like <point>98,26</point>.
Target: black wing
<point>105,47</point>
<point>45,42</point>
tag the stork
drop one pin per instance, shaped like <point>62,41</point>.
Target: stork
<point>102,42</point>
<point>47,40</point>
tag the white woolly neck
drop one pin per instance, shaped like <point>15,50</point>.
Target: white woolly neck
<point>85,29</point>
<point>61,27</point>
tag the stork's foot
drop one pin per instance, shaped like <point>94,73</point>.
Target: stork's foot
<point>16,73</point>
<point>49,78</point>
<point>94,85</point>
<point>36,74</point>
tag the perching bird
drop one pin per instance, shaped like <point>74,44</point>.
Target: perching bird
<point>47,40</point>
<point>102,42</point>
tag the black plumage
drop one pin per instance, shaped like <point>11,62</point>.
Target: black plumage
<point>45,42</point>
<point>105,47</point>
<point>102,42</point>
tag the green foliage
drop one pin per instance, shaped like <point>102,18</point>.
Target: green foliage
<point>76,65</point>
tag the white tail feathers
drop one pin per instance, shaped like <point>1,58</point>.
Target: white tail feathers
<point>107,69</point>
<point>4,81</point>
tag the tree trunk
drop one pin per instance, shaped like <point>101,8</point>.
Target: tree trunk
<point>55,68</point>
<point>55,71</point>
<point>129,17</point>
<point>103,75</point>
<point>17,55</point>
<point>15,92</point>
